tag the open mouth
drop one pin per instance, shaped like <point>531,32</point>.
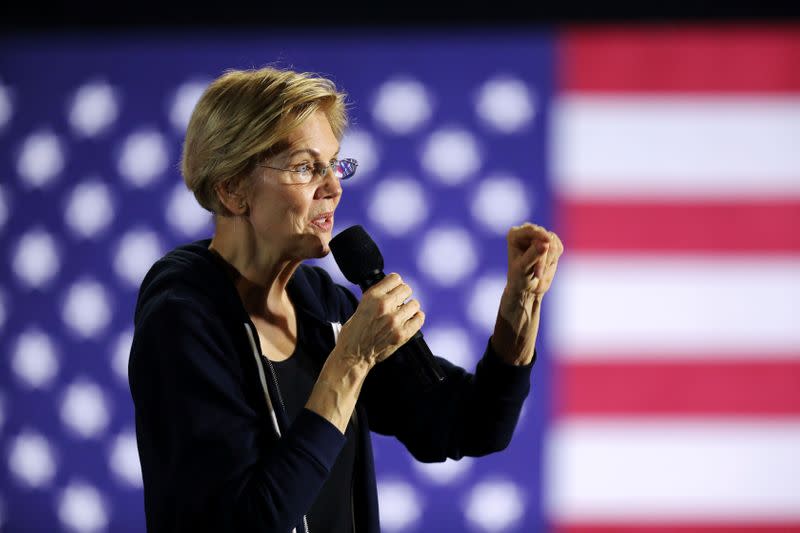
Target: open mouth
<point>323,221</point>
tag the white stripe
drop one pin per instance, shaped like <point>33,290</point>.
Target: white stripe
<point>681,470</point>
<point>625,145</point>
<point>634,306</point>
<point>337,328</point>
<point>257,356</point>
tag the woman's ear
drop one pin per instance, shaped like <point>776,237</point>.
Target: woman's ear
<point>232,198</point>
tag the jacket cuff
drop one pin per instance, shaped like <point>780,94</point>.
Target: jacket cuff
<point>321,439</point>
<point>504,379</point>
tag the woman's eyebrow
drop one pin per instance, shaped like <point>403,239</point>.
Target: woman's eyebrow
<point>310,151</point>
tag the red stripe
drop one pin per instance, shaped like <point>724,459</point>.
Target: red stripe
<point>681,388</point>
<point>669,58</point>
<point>669,528</point>
<point>707,226</point>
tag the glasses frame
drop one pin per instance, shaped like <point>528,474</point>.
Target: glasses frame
<point>320,169</point>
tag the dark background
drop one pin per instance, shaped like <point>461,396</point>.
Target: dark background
<point>23,16</point>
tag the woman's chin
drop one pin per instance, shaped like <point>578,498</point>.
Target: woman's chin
<point>319,249</point>
<point>321,252</point>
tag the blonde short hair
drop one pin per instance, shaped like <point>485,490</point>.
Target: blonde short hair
<point>243,116</point>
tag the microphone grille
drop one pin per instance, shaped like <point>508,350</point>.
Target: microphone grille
<point>356,254</point>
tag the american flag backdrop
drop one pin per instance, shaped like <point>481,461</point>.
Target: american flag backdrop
<point>667,391</point>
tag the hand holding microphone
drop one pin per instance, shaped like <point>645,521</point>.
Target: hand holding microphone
<point>382,321</point>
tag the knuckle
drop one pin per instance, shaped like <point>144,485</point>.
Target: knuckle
<point>369,297</point>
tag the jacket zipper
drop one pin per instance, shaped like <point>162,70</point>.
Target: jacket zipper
<point>280,399</point>
<point>258,356</point>
<point>353,478</point>
<point>337,328</point>
<point>275,379</point>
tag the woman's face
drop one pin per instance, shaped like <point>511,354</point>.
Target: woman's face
<point>297,218</point>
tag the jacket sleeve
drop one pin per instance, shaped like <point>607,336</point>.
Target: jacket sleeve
<point>209,460</point>
<point>467,414</point>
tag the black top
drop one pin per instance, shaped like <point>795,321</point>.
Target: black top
<point>331,511</point>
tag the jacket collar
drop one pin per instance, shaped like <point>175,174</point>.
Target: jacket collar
<point>300,287</point>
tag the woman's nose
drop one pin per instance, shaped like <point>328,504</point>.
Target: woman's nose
<point>330,184</point>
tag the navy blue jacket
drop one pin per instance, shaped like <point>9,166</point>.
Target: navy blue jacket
<point>216,449</point>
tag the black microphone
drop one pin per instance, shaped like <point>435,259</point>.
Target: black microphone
<point>361,262</point>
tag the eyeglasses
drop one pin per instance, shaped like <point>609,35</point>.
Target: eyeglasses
<point>304,173</point>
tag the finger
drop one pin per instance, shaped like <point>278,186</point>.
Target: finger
<point>536,252</point>
<point>407,310</point>
<point>414,324</point>
<point>526,232</point>
<point>398,295</point>
<point>540,267</point>
<point>525,244</point>
<point>558,243</point>
<point>386,284</point>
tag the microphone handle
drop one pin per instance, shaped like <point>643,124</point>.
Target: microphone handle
<point>427,369</point>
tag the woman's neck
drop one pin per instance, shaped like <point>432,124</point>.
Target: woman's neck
<point>260,276</point>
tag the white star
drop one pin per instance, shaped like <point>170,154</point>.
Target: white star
<point>184,101</point>
<point>6,107</point>
<point>94,108</point>
<point>398,205</point>
<point>36,260</point>
<point>361,146</point>
<point>400,505</point>
<point>83,409</point>
<point>451,156</point>
<point>87,308</point>
<point>506,104</point>
<point>82,508</point>
<point>41,159</point>
<point>144,158</point>
<point>31,460</point>
<point>3,207</point>
<point>137,250</point>
<point>445,473</point>
<point>452,343</point>
<point>34,359</point>
<point>120,355</point>
<point>499,202</point>
<point>186,215</point>
<point>124,460</point>
<point>89,208</point>
<point>494,505</point>
<point>402,105</point>
<point>484,300</point>
<point>447,255</point>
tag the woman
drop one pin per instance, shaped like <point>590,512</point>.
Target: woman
<point>253,403</point>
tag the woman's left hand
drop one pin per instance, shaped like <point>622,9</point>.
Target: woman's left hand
<point>533,254</point>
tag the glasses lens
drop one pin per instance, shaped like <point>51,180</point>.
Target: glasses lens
<point>346,168</point>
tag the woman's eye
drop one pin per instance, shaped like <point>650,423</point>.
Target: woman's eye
<point>303,167</point>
